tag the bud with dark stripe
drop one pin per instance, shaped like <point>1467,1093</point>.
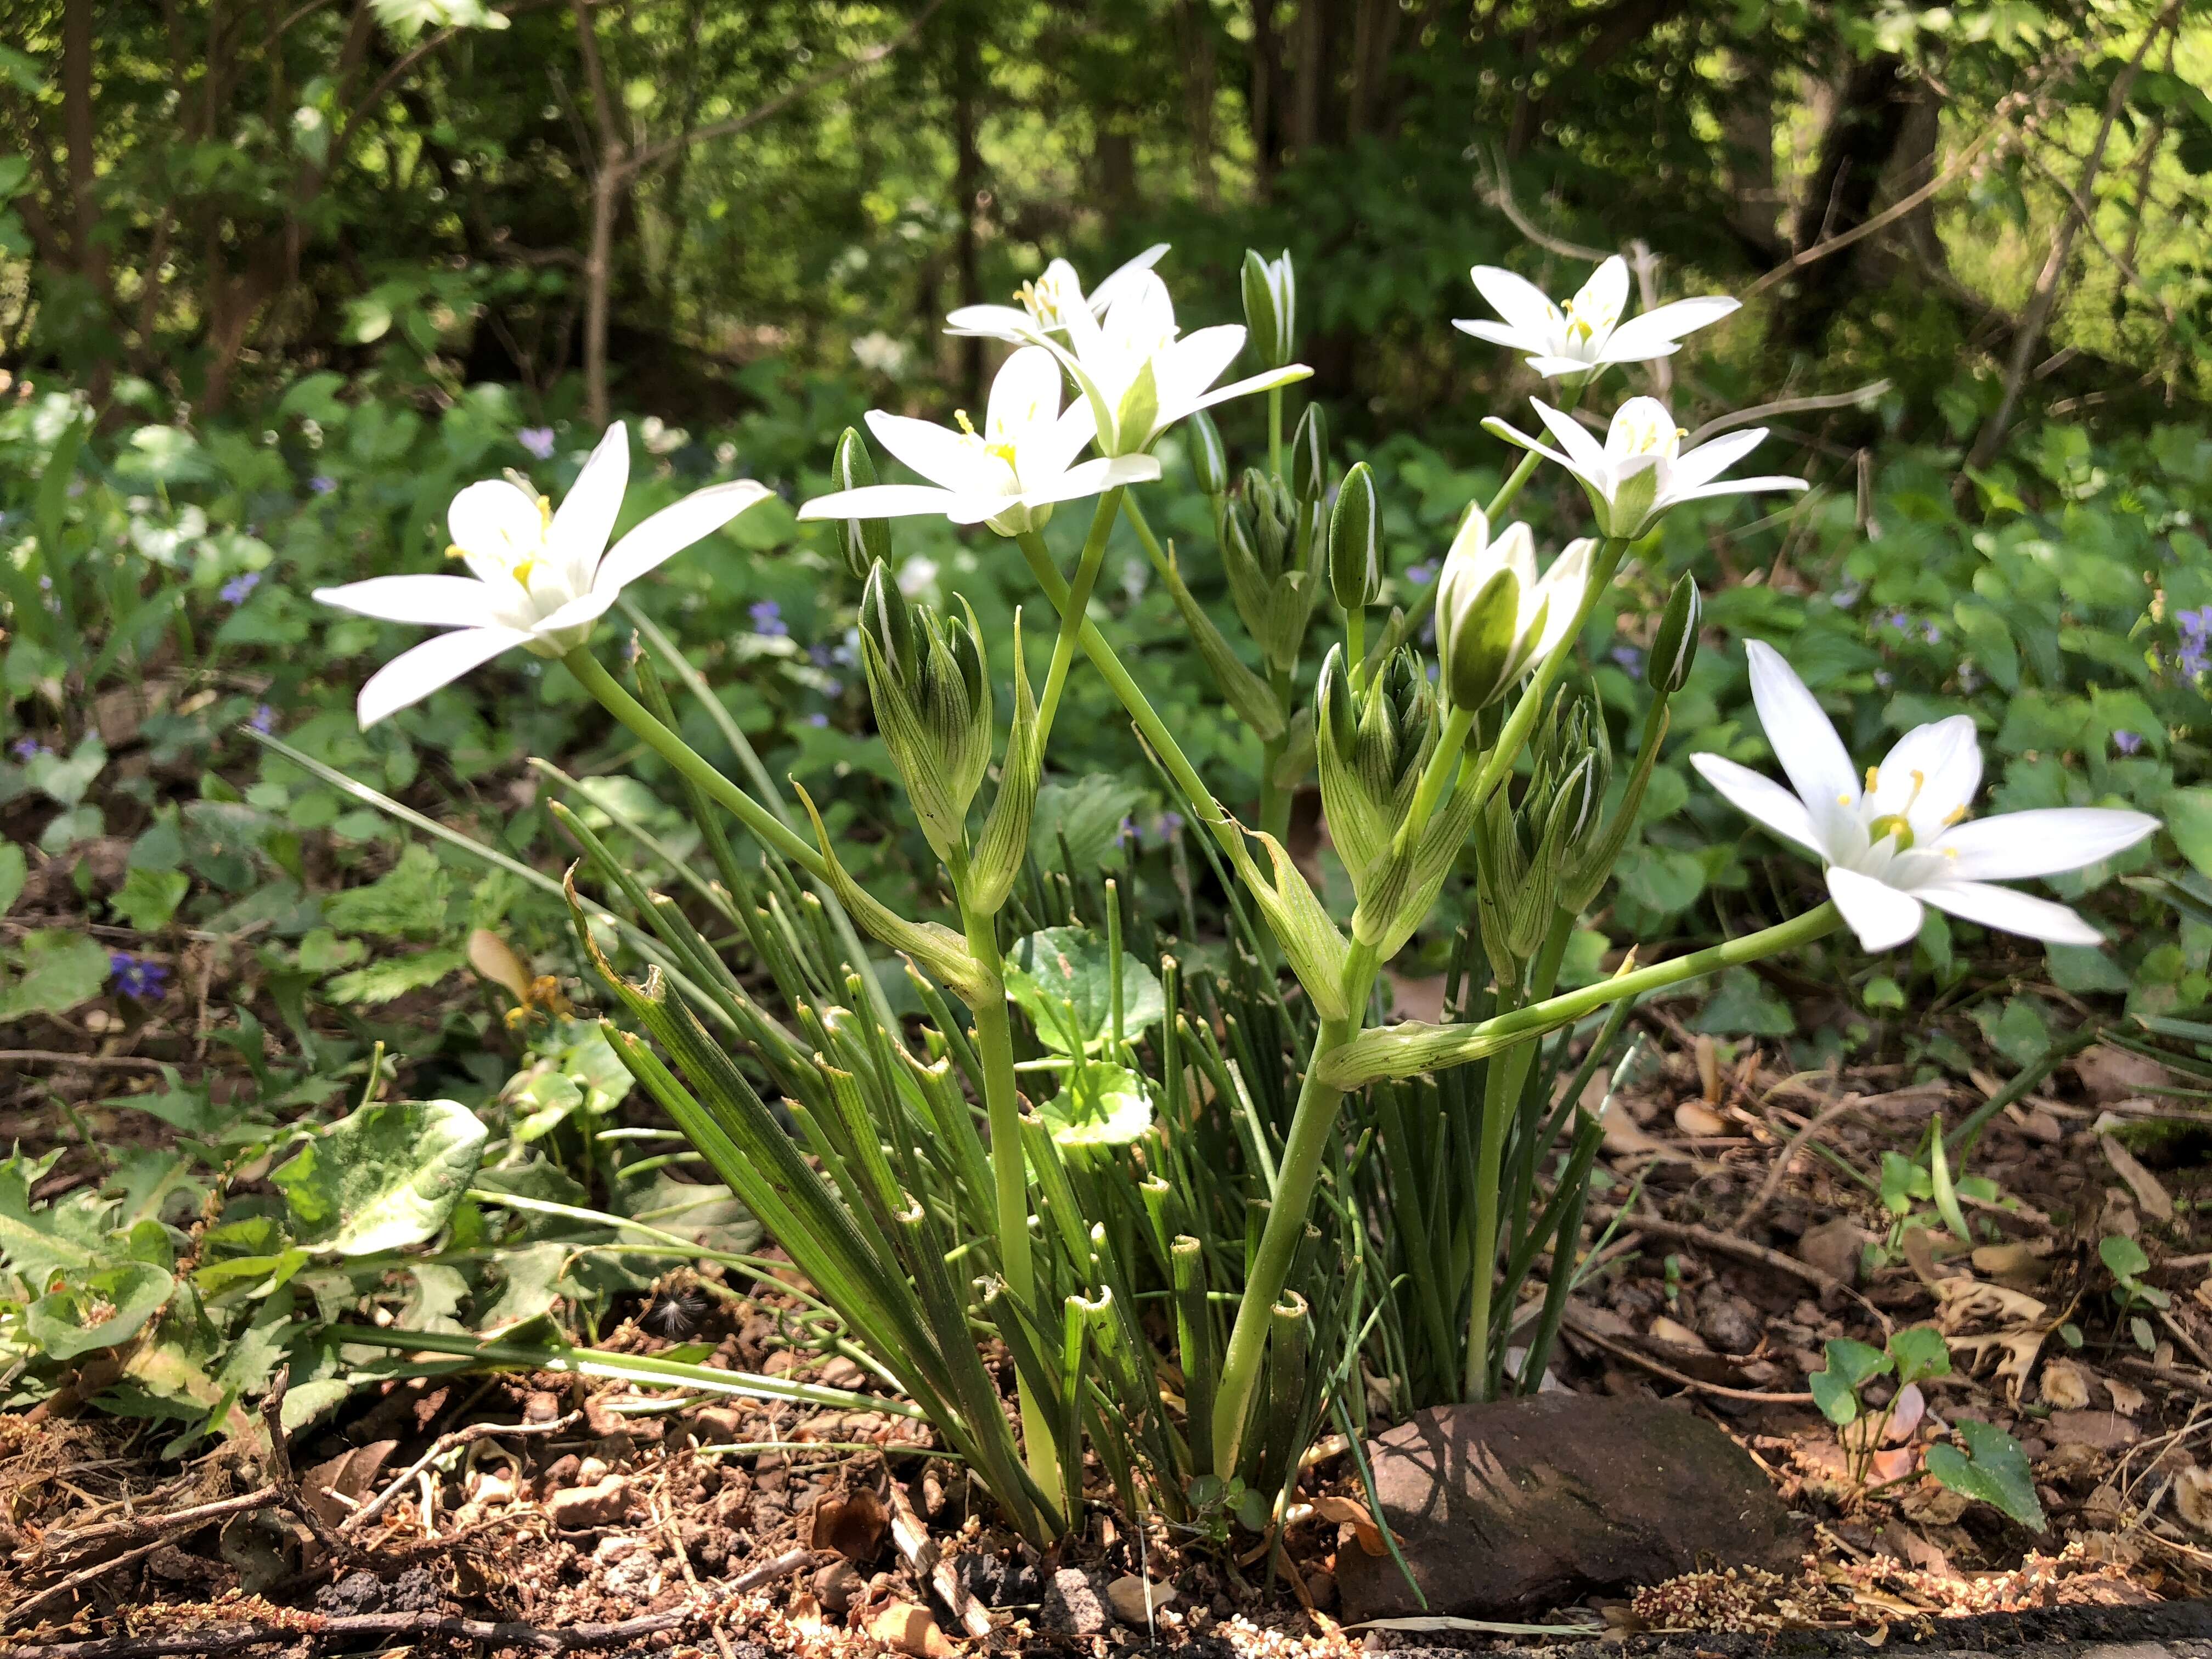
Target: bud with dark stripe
<point>863,541</point>
<point>1209,457</point>
<point>1675,646</point>
<point>1271,309</point>
<point>1355,541</point>
<point>931,697</point>
<point>1309,455</point>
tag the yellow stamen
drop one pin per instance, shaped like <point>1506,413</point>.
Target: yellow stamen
<point>1956,815</point>
<point>522,570</point>
<point>453,550</point>
<point>966,425</point>
<point>546,513</point>
<point>1874,779</point>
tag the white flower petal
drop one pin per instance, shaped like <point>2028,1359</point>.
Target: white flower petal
<point>430,601</point>
<point>1705,463</point>
<point>1883,917</point>
<point>1930,775</point>
<point>993,322</point>
<point>1655,333</point>
<point>1806,745</point>
<point>880,502</point>
<point>975,508</point>
<point>2013,913</point>
<point>1093,477</point>
<point>1502,334</point>
<point>1186,369</point>
<point>1512,435</point>
<point>1603,299</point>
<point>580,612</point>
<point>1731,486</point>
<point>439,662</point>
<point>1124,275</point>
<point>2042,843</point>
<point>672,529</point>
<point>941,456</point>
<point>587,515</point>
<point>1050,451</point>
<point>1266,382</point>
<point>1025,393</point>
<point>496,521</point>
<point>1589,455</point>
<point>1518,300</point>
<point>1759,797</point>
<point>1552,367</point>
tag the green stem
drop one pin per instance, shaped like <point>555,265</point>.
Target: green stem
<point>1412,1050</point>
<point>1442,767</point>
<point>1355,645</point>
<point>1141,714</point>
<point>1275,431</point>
<point>1153,550</point>
<point>1311,1125</point>
<point>1074,612</point>
<point>763,823</point>
<point>1506,491</point>
<point>1501,1098</point>
<point>1274,799</point>
<point>1002,1103</point>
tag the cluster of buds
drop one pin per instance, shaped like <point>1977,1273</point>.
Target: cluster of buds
<point>931,694</point>
<point>1529,846</point>
<point>1370,744</point>
<point>1274,546</point>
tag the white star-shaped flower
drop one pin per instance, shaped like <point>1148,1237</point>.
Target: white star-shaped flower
<point>537,579</point>
<point>1587,333</point>
<point>1007,476</point>
<point>1900,839</point>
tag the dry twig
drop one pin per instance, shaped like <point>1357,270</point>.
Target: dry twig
<point>444,1443</point>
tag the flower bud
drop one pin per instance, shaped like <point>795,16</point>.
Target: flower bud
<point>1675,646</point>
<point>933,703</point>
<point>1209,457</point>
<point>1370,747</point>
<point>1271,309</point>
<point>1273,551</point>
<point>863,540</point>
<point>1495,615</point>
<point>1355,540</point>
<point>1309,455</point>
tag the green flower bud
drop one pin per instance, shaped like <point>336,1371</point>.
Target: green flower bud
<point>932,701</point>
<point>1675,646</point>
<point>1370,748</point>
<point>1309,455</point>
<point>1209,457</point>
<point>1271,309</point>
<point>863,540</point>
<point>1274,552</point>
<point>1478,615</point>
<point>1355,540</point>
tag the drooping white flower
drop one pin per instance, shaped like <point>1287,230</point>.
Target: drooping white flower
<point>1640,470</point>
<point>1900,839</point>
<point>1007,476</point>
<point>1587,333</point>
<point>1137,371</point>
<point>1495,615</point>
<point>537,579</point>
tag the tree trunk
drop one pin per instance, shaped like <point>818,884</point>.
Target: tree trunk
<point>967,192</point>
<point>1855,148</point>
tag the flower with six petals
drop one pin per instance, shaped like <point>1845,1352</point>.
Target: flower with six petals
<point>1587,333</point>
<point>1899,839</point>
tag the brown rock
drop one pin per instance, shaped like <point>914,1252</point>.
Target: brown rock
<point>911,1629</point>
<point>1833,1247</point>
<point>599,1505</point>
<point>1727,1321</point>
<point>1529,1503</point>
<point>1075,1604</point>
<point>717,1425</point>
<point>541,1406</point>
<point>2099,1431</point>
<point>1136,1600</point>
<point>839,1371</point>
<point>837,1586</point>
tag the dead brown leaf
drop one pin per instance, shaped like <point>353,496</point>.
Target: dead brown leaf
<point>2151,1198</point>
<point>911,1629</point>
<point>853,1523</point>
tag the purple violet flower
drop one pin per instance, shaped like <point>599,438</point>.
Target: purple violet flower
<point>135,977</point>
<point>768,619</point>
<point>537,439</point>
<point>322,484</point>
<point>240,587</point>
<point>2127,741</point>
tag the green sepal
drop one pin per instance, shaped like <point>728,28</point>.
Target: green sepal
<point>998,854</point>
<point>1253,699</point>
<point>1311,944</point>
<point>935,946</point>
<point>1400,893</point>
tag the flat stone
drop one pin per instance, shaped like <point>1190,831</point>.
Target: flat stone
<point>1075,1604</point>
<point>1521,1504</point>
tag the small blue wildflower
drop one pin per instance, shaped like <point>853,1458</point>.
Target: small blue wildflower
<point>1930,633</point>
<point>817,718</point>
<point>1418,575</point>
<point>537,439</point>
<point>2195,639</point>
<point>1170,826</point>
<point>137,978</point>
<point>240,588</point>
<point>1884,678</point>
<point>1848,595</point>
<point>1128,833</point>
<point>264,717</point>
<point>821,656</point>
<point>1899,621</point>
<point>25,749</point>
<point>768,619</point>
<point>834,689</point>
<point>322,484</point>
<point>1628,657</point>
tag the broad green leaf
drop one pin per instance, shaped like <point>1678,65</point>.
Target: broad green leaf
<point>1088,813</point>
<point>55,970</point>
<point>2123,1257</point>
<point>148,898</point>
<point>1920,1351</point>
<point>382,1177</point>
<point>1061,978</point>
<point>14,872</point>
<point>394,976</point>
<point>2188,814</point>
<point>1837,1400</point>
<point>99,1309</point>
<point>1742,1006</point>
<point>409,900</point>
<point>1099,1105</point>
<point>1993,1468</point>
